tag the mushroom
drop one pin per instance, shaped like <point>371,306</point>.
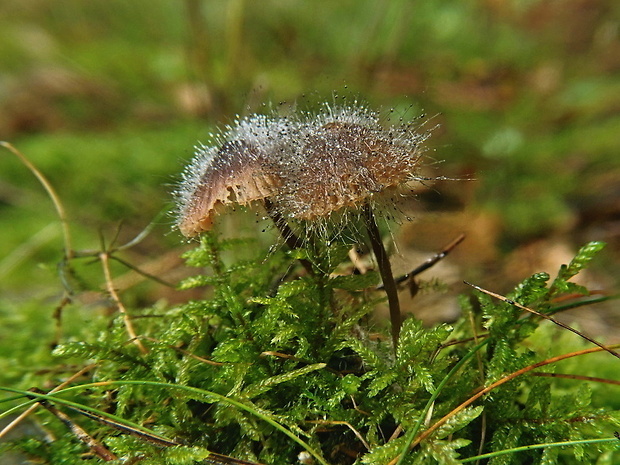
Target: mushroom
<point>305,168</point>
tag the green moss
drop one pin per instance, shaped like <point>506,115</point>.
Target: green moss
<point>265,368</point>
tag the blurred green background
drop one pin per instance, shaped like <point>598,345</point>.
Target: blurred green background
<point>108,98</point>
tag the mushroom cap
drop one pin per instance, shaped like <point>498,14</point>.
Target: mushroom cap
<point>341,164</point>
<point>307,166</point>
<point>235,174</point>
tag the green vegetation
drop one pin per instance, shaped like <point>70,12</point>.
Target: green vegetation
<point>107,98</point>
<point>271,365</point>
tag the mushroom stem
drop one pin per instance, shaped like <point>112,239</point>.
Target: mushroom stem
<point>287,233</point>
<point>385,269</point>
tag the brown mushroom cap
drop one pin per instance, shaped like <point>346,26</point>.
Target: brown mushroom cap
<point>342,164</point>
<point>236,174</point>
<point>308,167</point>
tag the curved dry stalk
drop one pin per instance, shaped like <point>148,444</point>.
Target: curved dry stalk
<point>546,317</point>
<point>17,420</point>
<point>357,434</point>
<point>594,379</point>
<point>144,274</point>
<point>105,263</point>
<point>60,210</point>
<point>95,446</point>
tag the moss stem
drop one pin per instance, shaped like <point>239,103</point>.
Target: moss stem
<point>385,269</point>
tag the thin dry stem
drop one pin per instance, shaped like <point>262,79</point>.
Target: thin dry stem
<point>105,263</point>
<point>546,317</point>
<point>154,439</point>
<point>594,379</point>
<point>95,446</point>
<point>345,423</point>
<point>431,261</point>
<point>33,407</point>
<point>397,432</point>
<point>52,194</point>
